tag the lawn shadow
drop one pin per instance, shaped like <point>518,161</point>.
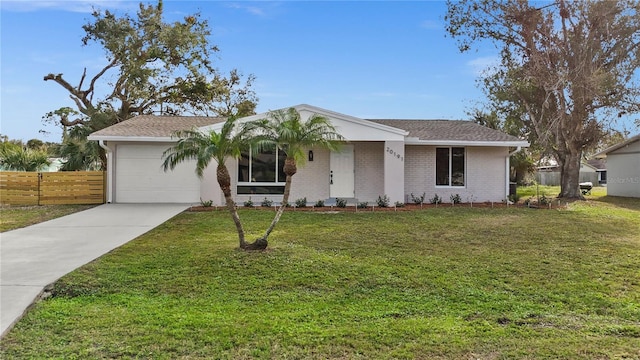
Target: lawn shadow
<point>623,202</point>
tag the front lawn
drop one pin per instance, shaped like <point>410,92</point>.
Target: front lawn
<point>451,282</point>
<point>14,217</point>
<point>533,191</point>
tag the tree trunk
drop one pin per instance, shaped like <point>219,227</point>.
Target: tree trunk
<point>290,169</point>
<point>570,175</point>
<point>224,180</point>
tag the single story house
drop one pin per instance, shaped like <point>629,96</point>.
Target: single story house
<point>396,158</point>
<point>623,168</point>
<point>600,165</point>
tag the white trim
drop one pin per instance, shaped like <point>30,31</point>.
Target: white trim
<point>109,155</point>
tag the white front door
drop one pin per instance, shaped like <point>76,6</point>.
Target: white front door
<point>342,173</point>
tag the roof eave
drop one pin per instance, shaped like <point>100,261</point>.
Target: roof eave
<point>416,141</point>
<point>603,154</point>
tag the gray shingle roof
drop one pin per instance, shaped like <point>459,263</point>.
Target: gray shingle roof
<point>454,130</point>
<point>156,126</point>
<point>443,130</point>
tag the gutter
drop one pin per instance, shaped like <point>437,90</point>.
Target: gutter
<point>508,171</point>
<point>109,152</point>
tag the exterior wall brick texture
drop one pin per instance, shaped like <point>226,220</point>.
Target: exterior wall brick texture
<point>484,174</point>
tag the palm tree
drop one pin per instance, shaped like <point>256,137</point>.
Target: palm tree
<point>286,130</point>
<point>230,142</point>
<point>20,159</point>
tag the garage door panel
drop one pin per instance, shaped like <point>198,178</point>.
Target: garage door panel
<point>140,178</point>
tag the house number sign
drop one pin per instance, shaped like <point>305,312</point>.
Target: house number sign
<point>395,154</point>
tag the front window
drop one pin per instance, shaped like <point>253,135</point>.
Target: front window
<point>450,166</point>
<point>261,173</point>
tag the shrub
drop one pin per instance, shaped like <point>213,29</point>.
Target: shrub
<point>248,203</point>
<point>266,203</point>
<point>341,203</point>
<point>435,199</point>
<point>545,200</point>
<point>383,201</point>
<point>301,203</point>
<point>363,205</point>
<point>455,199</point>
<point>399,204</point>
<point>319,203</point>
<point>418,199</point>
<point>206,203</point>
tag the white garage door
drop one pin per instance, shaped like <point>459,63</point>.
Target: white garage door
<point>139,177</point>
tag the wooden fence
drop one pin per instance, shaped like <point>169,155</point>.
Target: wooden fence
<point>48,188</point>
<point>552,178</point>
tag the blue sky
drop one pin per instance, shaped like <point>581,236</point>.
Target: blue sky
<point>367,59</point>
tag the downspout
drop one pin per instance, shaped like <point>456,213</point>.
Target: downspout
<point>109,153</point>
<point>508,171</point>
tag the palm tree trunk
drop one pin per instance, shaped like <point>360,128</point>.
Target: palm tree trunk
<point>285,201</point>
<point>224,180</point>
<point>290,169</point>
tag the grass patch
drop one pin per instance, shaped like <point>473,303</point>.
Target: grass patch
<point>438,283</point>
<point>15,217</point>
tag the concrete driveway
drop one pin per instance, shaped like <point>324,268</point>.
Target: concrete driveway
<point>36,256</point>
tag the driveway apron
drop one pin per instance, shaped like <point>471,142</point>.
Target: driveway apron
<point>36,256</point>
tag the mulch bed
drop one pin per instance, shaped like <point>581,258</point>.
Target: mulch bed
<point>370,208</point>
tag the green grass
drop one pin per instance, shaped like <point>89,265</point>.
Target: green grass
<point>439,283</point>
<point>553,191</point>
<point>14,217</point>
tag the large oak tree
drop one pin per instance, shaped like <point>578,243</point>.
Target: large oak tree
<point>570,65</point>
<point>151,67</point>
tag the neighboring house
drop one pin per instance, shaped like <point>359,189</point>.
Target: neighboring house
<point>549,174</point>
<point>396,158</point>
<point>623,168</point>
<point>600,165</point>
<point>56,164</point>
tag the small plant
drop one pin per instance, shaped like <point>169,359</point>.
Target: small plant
<point>266,203</point>
<point>514,198</point>
<point>435,199</point>
<point>383,201</point>
<point>399,204</point>
<point>363,205</point>
<point>341,203</point>
<point>301,203</point>
<point>418,199</point>
<point>455,199</point>
<point>248,203</point>
<point>319,203</point>
<point>544,200</point>
<point>206,203</point>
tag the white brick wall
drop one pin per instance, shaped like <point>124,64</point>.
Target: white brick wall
<point>484,174</point>
<point>312,179</point>
<point>369,158</point>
